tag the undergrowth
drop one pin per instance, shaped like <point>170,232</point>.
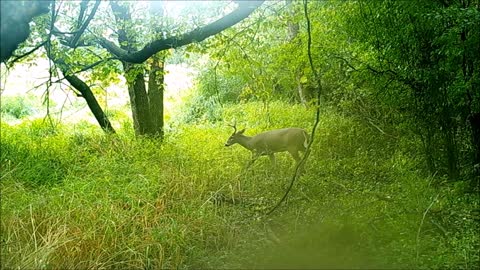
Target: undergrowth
<point>76,198</point>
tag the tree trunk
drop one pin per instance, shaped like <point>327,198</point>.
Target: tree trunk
<point>292,25</point>
<point>139,102</point>
<point>86,93</point>
<point>452,160</point>
<point>301,90</point>
<point>449,137</point>
<point>134,74</point>
<point>468,67</point>
<point>475,125</point>
<point>156,77</point>
<point>292,32</point>
<point>92,103</point>
<point>155,94</point>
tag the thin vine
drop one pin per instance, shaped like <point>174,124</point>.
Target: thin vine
<point>317,111</point>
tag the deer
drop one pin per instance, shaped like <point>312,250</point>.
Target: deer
<point>292,140</point>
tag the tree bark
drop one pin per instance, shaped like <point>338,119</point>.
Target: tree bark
<point>155,94</point>
<point>452,160</point>
<point>292,25</point>
<point>86,93</point>
<point>449,136</point>
<point>475,125</point>
<point>138,99</point>
<point>92,102</point>
<point>301,89</point>
<point>156,78</point>
<point>134,74</point>
<point>292,32</point>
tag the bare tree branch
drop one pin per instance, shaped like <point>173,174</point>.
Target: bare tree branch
<point>79,33</point>
<point>17,58</point>
<point>83,7</point>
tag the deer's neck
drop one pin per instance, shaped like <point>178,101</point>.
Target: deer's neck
<point>245,141</point>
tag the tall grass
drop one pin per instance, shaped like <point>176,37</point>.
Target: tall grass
<point>76,198</point>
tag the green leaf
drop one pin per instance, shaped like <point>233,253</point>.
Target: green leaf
<point>304,79</point>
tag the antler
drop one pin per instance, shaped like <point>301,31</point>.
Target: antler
<point>234,126</point>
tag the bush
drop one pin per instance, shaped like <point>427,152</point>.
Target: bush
<point>38,149</point>
<point>17,106</point>
<point>200,109</point>
<point>223,88</point>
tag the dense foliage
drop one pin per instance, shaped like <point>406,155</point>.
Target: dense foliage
<point>422,75</point>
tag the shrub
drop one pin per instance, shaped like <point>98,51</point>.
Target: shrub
<point>200,109</point>
<point>224,88</point>
<point>17,106</point>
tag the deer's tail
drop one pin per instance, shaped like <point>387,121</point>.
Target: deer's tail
<point>306,141</point>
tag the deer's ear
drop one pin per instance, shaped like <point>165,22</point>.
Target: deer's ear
<point>241,131</point>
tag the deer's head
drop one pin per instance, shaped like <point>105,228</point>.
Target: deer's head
<point>234,138</point>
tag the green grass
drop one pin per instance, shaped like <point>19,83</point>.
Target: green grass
<point>76,198</point>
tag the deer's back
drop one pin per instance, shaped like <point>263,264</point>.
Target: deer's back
<point>279,140</point>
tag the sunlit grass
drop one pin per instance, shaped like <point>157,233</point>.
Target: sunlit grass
<point>82,199</point>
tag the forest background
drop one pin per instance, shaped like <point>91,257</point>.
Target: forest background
<point>114,117</point>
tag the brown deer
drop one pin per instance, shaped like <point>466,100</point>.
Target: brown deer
<point>270,142</point>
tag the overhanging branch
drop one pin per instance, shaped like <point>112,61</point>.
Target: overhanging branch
<point>244,9</point>
<point>86,93</point>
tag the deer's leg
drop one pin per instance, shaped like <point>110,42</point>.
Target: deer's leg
<point>272,158</point>
<point>295,155</point>
<point>297,158</point>
<point>252,160</point>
